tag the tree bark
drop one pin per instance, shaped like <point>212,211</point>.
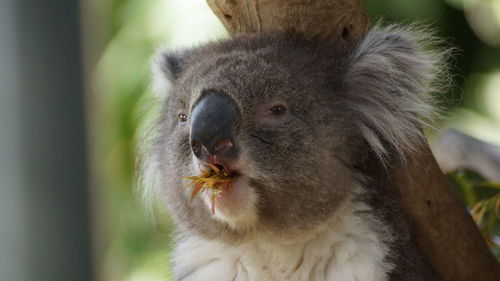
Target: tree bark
<point>440,224</point>
<point>344,20</point>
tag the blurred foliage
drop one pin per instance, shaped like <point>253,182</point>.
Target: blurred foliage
<point>482,198</point>
<point>133,246</point>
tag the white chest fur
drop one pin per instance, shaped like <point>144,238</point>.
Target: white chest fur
<point>346,249</point>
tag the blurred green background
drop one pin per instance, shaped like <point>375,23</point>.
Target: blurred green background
<point>122,35</point>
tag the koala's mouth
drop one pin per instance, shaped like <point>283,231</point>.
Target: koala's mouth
<point>215,179</point>
<point>225,189</point>
<point>227,170</point>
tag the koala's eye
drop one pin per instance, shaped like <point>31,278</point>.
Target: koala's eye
<point>273,113</point>
<point>277,110</point>
<point>182,118</point>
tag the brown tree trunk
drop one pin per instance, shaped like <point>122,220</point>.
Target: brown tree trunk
<point>441,226</point>
<point>341,19</point>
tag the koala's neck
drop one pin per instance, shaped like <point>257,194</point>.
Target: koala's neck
<point>347,248</point>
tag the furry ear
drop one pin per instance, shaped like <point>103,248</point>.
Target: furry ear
<point>166,68</point>
<point>390,77</point>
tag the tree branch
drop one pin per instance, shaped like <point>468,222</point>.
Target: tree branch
<point>441,226</point>
<point>344,20</point>
<point>454,149</point>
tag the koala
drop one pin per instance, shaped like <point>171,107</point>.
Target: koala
<point>307,127</point>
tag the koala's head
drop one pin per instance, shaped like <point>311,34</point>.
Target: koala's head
<point>292,118</point>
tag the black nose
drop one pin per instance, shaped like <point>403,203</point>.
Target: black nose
<point>212,127</point>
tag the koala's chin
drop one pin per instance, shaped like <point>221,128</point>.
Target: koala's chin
<point>237,208</point>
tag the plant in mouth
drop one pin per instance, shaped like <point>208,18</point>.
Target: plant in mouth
<point>216,180</point>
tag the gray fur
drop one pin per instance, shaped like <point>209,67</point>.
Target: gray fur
<point>350,111</point>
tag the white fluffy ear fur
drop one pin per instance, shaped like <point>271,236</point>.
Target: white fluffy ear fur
<point>166,68</point>
<point>391,76</point>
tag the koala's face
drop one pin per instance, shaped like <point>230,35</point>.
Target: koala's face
<point>290,118</point>
<point>268,110</point>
